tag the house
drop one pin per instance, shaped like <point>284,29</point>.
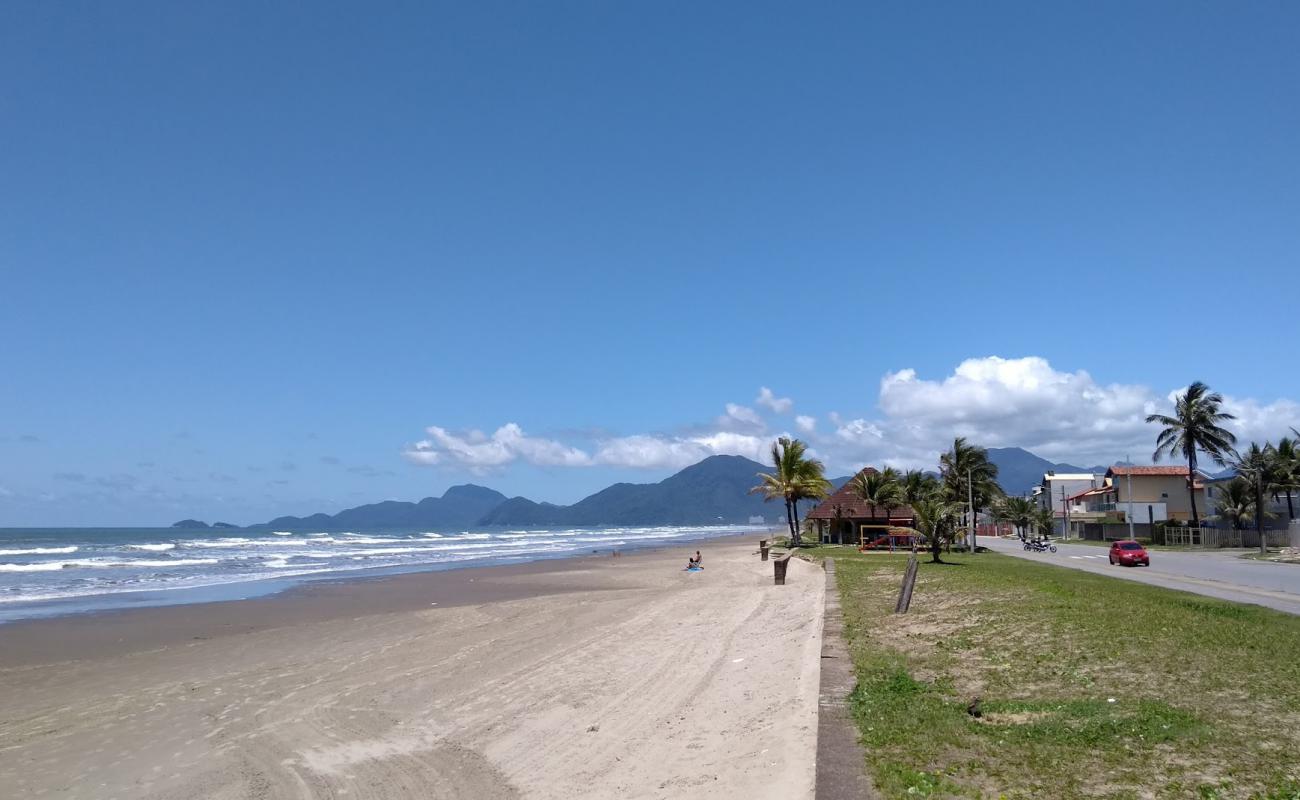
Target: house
<point>1140,495</point>
<point>844,518</point>
<point>1056,490</point>
<point>1144,491</point>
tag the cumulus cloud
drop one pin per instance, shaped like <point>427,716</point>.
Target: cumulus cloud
<point>1023,402</point>
<point>675,452</point>
<point>993,401</point>
<point>743,418</point>
<point>480,452</point>
<point>779,405</point>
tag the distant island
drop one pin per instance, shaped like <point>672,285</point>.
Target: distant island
<point>713,492</point>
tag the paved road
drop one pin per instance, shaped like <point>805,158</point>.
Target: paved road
<point>1214,573</point>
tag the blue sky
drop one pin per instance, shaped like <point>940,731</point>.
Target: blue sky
<point>261,260</point>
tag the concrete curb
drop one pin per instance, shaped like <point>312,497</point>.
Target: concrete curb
<point>841,761</point>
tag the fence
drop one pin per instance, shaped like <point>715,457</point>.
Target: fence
<point>1189,536</point>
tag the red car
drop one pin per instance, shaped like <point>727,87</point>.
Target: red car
<point>1129,554</point>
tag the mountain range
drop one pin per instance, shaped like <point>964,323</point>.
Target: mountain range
<point>1020,470</point>
<point>714,491</point>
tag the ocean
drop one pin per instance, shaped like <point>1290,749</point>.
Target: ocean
<point>47,572</point>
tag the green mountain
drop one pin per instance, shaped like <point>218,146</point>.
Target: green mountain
<point>714,491</point>
<point>1020,470</point>
<point>459,506</point>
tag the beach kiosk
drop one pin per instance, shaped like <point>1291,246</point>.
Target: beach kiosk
<point>845,519</point>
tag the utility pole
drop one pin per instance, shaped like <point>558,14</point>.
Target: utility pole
<point>970,496</point>
<point>1129,511</point>
<point>1065,516</point>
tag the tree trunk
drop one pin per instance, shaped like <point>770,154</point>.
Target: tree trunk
<point>1259,514</point>
<point>1290,512</point>
<point>935,546</point>
<point>789,521</point>
<point>1191,489</point>
<point>794,522</point>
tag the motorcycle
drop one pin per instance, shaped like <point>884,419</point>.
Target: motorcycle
<point>1040,546</point>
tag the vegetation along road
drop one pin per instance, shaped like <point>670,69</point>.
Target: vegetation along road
<point>1017,681</point>
<point>1213,573</point>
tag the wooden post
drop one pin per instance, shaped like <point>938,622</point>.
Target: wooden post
<point>779,566</point>
<point>909,582</point>
<point>762,549</point>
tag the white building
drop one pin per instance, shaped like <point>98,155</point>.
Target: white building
<point>1057,488</point>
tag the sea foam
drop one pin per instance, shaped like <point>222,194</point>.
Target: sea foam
<point>40,551</point>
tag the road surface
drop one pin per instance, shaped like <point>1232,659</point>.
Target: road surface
<point>1214,573</point>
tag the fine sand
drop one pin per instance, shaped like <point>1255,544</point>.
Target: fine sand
<point>595,677</point>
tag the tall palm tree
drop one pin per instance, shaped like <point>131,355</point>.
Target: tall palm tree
<point>1195,427</point>
<point>967,474</point>
<point>879,490</point>
<point>1256,466</point>
<point>1286,471</point>
<point>795,477</point>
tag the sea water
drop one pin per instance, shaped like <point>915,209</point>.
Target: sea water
<point>50,571</point>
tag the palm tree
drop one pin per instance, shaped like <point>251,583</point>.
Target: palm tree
<point>1019,511</point>
<point>1045,519</point>
<point>1256,467</point>
<point>1235,503</point>
<point>1286,471</point>
<point>967,474</point>
<point>879,490</point>
<point>936,519</point>
<point>795,478</point>
<point>917,485</point>
<point>1195,427</point>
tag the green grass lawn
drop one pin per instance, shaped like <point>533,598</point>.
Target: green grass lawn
<point>1089,686</point>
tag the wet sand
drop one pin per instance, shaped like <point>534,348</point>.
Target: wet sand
<point>588,677</point>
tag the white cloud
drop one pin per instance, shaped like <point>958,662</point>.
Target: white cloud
<point>1257,422</point>
<point>741,417</point>
<point>675,452</point>
<point>779,405</point>
<point>993,401</point>
<point>1024,402</point>
<point>479,452</point>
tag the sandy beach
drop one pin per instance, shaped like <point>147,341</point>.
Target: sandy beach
<point>592,677</point>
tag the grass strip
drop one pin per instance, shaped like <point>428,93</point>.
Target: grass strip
<point>1087,686</point>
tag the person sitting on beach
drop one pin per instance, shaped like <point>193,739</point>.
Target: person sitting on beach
<point>698,560</point>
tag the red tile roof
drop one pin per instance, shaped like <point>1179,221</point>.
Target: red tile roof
<point>1092,491</point>
<point>852,507</point>
<point>1135,471</point>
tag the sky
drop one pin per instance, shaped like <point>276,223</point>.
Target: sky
<point>262,259</point>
